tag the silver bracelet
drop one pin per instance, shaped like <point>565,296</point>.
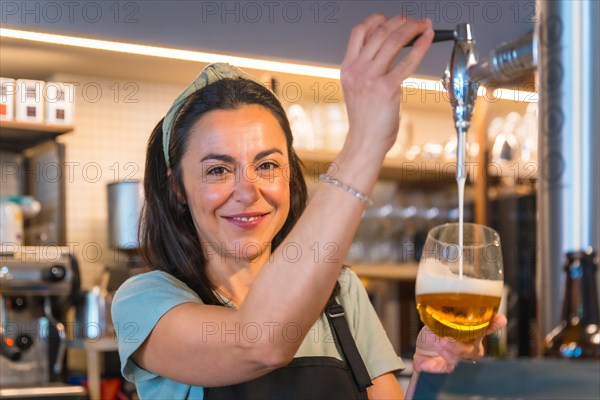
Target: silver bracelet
<point>360,196</point>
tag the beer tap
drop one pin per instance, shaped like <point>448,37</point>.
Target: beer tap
<point>462,91</point>
<point>464,74</point>
<point>565,57</point>
<point>507,61</point>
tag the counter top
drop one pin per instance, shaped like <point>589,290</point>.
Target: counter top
<point>397,272</point>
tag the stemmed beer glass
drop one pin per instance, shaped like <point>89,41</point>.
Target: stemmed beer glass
<point>459,285</point>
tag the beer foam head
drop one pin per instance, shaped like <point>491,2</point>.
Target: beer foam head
<point>437,277</point>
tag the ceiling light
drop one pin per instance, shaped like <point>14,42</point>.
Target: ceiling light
<point>244,62</point>
<point>165,52</point>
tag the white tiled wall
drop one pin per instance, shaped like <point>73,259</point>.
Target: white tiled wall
<point>113,120</point>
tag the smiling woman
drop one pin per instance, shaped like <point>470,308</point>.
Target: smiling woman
<point>229,311</point>
<point>231,158</point>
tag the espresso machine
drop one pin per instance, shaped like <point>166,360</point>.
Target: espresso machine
<point>37,285</point>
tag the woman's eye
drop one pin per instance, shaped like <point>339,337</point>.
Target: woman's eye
<point>267,166</point>
<point>216,171</point>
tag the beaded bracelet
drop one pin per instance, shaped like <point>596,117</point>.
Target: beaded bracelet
<point>360,196</point>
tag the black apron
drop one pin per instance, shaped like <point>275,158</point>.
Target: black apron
<point>305,378</point>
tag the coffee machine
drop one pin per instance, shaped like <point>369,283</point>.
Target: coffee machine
<point>37,285</point>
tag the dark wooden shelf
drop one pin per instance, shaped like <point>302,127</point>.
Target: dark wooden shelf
<point>18,136</point>
<point>417,171</point>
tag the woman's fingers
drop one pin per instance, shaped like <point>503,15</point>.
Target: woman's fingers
<point>368,89</point>
<point>398,38</point>
<point>497,323</point>
<point>450,355</point>
<point>468,351</point>
<point>377,38</point>
<point>441,354</point>
<point>410,62</point>
<point>473,351</point>
<point>431,364</point>
<point>359,34</point>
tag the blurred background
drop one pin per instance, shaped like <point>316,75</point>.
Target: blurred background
<point>74,133</point>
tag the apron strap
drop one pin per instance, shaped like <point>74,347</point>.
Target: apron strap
<point>335,315</point>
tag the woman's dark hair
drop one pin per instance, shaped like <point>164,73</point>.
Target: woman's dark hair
<point>167,236</point>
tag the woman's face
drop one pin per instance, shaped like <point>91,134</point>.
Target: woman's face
<point>236,181</point>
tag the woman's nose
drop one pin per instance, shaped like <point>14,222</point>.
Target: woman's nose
<point>246,186</point>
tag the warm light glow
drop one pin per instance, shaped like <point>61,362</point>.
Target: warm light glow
<point>424,84</point>
<point>164,52</point>
<point>244,62</point>
<point>516,95</point>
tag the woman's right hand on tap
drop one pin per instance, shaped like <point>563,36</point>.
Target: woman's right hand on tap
<point>371,80</point>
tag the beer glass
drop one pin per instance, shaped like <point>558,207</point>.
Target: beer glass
<point>458,288</point>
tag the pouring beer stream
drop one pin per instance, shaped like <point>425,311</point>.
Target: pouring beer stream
<point>462,93</point>
<point>460,279</point>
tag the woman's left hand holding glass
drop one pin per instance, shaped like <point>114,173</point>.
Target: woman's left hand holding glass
<point>441,354</point>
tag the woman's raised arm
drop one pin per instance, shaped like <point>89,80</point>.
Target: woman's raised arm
<point>293,293</point>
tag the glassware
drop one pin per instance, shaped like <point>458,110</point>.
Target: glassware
<point>506,151</point>
<point>302,128</point>
<point>336,126</point>
<point>458,290</point>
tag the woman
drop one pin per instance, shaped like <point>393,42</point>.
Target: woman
<point>245,284</point>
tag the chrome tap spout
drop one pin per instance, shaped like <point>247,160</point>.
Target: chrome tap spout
<point>461,90</point>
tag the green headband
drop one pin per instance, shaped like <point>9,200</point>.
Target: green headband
<point>210,74</point>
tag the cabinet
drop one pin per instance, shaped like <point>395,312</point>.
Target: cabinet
<point>33,164</point>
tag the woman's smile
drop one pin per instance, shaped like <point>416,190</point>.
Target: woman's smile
<point>247,220</point>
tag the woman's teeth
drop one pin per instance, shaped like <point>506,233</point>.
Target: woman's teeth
<point>245,219</point>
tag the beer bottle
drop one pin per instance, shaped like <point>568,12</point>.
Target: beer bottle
<point>578,335</point>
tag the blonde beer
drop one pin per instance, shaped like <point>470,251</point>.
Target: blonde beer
<point>461,308</point>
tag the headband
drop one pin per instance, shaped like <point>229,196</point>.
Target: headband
<point>212,73</point>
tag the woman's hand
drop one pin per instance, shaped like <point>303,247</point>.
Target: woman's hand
<point>438,355</point>
<point>371,82</point>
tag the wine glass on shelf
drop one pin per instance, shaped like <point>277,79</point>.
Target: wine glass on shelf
<point>459,287</point>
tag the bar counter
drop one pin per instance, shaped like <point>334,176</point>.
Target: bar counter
<point>526,378</point>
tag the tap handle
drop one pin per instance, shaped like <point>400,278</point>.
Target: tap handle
<point>439,35</point>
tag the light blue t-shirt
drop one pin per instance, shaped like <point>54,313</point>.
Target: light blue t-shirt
<point>143,299</point>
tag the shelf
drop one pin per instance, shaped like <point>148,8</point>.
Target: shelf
<point>17,136</point>
<point>35,147</point>
<point>400,169</point>
<point>396,272</point>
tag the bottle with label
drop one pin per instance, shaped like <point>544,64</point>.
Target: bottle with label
<point>578,335</point>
